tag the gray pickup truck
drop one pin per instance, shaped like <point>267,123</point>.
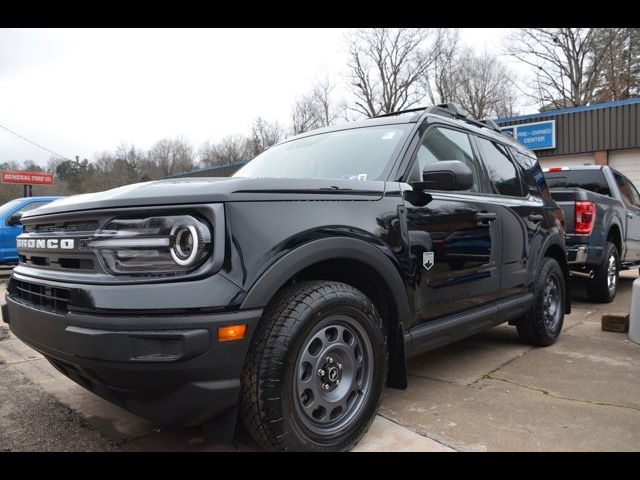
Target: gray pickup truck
<point>602,222</point>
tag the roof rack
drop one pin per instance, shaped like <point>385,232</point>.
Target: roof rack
<point>491,124</point>
<point>400,112</point>
<point>451,109</point>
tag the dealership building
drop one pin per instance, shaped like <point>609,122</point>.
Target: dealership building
<point>600,134</point>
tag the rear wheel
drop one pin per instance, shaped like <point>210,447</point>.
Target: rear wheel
<point>316,369</point>
<point>542,325</point>
<point>603,286</point>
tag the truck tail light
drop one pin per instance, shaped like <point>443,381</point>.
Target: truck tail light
<point>585,217</point>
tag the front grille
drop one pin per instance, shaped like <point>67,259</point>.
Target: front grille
<point>63,227</point>
<point>78,259</point>
<point>40,296</point>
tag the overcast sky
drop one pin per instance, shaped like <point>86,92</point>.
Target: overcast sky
<point>79,92</point>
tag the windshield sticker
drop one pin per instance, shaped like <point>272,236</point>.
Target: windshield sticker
<point>388,135</point>
<point>354,176</point>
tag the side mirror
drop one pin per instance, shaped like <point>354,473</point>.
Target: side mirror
<point>14,219</point>
<point>446,175</point>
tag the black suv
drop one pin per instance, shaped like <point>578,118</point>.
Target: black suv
<point>289,294</point>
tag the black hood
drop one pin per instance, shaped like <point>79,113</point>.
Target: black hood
<point>213,189</point>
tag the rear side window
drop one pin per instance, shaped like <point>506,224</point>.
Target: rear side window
<point>592,180</point>
<point>501,170</point>
<point>627,190</point>
<point>532,172</point>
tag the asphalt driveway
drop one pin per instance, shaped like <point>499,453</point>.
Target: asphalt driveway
<point>486,393</point>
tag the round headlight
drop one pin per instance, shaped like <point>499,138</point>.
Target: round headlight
<point>185,244</point>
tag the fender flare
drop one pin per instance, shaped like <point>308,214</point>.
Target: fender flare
<point>266,286</point>
<point>557,240</point>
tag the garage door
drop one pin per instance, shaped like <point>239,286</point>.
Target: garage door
<point>627,162</point>
<point>568,160</point>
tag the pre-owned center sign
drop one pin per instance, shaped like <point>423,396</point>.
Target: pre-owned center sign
<point>534,136</point>
<point>26,178</point>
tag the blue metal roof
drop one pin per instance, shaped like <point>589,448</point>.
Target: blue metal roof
<point>562,111</point>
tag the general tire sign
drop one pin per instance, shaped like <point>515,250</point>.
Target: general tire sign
<point>26,178</point>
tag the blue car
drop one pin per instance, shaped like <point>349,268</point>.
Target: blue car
<point>10,226</point>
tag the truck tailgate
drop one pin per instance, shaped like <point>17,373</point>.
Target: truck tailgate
<point>566,198</point>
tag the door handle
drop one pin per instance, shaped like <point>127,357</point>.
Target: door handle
<point>536,218</point>
<point>485,218</point>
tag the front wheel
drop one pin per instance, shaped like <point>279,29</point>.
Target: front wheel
<point>542,325</point>
<point>316,369</point>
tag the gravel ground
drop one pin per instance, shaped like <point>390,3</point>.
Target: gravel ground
<point>32,420</point>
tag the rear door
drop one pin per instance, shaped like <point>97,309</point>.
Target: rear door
<point>458,267</point>
<point>521,214</point>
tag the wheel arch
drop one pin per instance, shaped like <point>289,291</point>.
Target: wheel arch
<point>614,235</point>
<point>356,263</point>
<point>555,249</point>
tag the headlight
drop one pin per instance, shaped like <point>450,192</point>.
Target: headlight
<point>153,245</point>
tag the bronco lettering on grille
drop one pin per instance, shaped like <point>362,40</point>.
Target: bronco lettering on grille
<point>48,243</point>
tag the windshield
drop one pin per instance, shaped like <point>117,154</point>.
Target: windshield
<point>8,207</point>
<point>354,154</point>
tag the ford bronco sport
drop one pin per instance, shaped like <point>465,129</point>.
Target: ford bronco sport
<point>289,294</point>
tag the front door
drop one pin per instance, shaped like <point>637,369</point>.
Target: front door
<point>458,266</point>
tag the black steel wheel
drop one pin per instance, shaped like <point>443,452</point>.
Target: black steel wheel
<point>316,369</point>
<point>542,325</point>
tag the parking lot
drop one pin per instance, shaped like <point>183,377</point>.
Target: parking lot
<point>486,393</point>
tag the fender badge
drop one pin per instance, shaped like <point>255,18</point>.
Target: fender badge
<point>427,260</point>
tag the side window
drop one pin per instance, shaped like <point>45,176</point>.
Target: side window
<point>627,190</point>
<point>441,144</point>
<point>533,175</point>
<point>502,172</point>
<point>30,206</point>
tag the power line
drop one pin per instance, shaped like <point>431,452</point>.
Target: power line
<point>34,143</point>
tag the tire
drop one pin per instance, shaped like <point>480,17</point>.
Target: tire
<point>602,288</point>
<point>542,325</point>
<point>312,328</point>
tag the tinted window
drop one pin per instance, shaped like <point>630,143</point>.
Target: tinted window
<point>441,144</point>
<point>592,180</point>
<point>627,190</point>
<point>502,172</point>
<point>353,154</point>
<point>533,176</point>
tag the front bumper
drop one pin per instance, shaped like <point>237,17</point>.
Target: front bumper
<point>170,369</point>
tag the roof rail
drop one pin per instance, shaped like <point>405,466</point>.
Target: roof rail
<point>491,124</point>
<point>452,109</point>
<point>400,112</point>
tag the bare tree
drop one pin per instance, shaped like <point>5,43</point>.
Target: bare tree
<point>304,116</point>
<point>620,77</point>
<point>484,86</point>
<point>171,156</point>
<point>441,80</point>
<point>317,108</point>
<point>567,63</point>
<point>231,148</point>
<point>263,136</point>
<point>386,65</point>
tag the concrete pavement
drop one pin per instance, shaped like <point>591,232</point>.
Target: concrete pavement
<point>486,393</point>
